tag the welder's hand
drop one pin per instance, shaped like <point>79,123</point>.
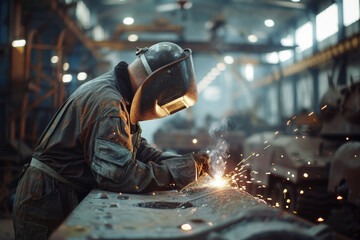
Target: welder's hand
<point>203,162</point>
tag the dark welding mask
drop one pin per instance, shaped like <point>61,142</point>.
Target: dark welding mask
<point>170,86</point>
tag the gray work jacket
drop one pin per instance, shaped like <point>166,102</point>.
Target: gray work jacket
<point>92,143</point>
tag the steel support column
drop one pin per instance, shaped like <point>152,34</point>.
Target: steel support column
<point>314,72</point>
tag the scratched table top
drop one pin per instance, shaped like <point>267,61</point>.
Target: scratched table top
<point>197,212</point>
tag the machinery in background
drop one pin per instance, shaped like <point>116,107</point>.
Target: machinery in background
<point>313,169</point>
<point>221,138</point>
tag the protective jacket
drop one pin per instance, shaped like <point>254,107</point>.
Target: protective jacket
<point>91,143</point>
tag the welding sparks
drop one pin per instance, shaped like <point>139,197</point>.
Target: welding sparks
<point>218,181</point>
<point>339,198</point>
<point>306,175</point>
<point>194,141</point>
<point>320,219</point>
<point>186,227</point>
<point>324,107</point>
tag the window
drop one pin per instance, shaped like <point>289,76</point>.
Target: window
<point>249,72</point>
<point>304,36</point>
<point>351,11</point>
<point>83,14</point>
<point>285,55</point>
<point>327,22</point>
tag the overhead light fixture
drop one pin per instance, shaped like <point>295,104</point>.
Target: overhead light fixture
<point>228,59</point>
<point>295,0</point>
<point>54,59</point>
<point>133,38</point>
<point>66,66</point>
<point>128,21</point>
<point>221,66</point>
<point>269,23</point>
<point>66,78</point>
<point>215,71</point>
<point>252,38</point>
<point>167,7</point>
<point>81,76</point>
<point>19,43</point>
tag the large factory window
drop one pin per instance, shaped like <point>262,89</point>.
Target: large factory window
<point>351,11</point>
<point>304,36</point>
<point>327,22</point>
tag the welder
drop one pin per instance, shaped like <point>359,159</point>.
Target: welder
<point>94,140</point>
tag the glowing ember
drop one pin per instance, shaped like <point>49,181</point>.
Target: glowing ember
<point>320,219</point>
<point>306,175</point>
<point>324,107</point>
<point>339,198</point>
<point>194,141</point>
<point>186,227</point>
<point>301,191</point>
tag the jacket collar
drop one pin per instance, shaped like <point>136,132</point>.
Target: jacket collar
<point>123,83</point>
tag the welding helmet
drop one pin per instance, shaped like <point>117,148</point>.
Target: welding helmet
<point>170,86</point>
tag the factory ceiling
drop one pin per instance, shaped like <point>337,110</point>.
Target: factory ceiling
<point>203,25</point>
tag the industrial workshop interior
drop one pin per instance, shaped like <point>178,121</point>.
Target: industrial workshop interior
<point>180,119</point>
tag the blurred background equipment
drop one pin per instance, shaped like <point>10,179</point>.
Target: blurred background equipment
<point>278,84</point>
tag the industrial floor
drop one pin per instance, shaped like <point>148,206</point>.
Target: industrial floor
<point>6,229</point>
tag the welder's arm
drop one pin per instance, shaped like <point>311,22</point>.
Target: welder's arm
<point>178,165</point>
<point>116,169</point>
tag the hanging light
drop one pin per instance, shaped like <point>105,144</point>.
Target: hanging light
<point>269,23</point>
<point>128,21</point>
<point>133,38</point>
<point>252,38</point>
<point>81,76</point>
<point>66,66</point>
<point>19,43</point>
<point>66,78</point>
<point>228,59</point>
<point>54,59</point>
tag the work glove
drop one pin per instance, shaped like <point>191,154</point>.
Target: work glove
<point>203,163</point>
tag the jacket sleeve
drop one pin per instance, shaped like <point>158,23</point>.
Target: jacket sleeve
<point>182,167</point>
<point>108,145</point>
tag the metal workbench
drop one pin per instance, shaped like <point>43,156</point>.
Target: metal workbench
<point>198,212</point>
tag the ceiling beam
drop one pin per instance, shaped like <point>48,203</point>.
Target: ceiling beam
<point>273,3</point>
<point>197,46</point>
<point>158,26</point>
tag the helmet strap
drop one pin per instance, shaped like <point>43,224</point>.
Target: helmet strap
<point>145,63</point>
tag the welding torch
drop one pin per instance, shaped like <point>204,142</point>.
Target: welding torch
<point>208,171</point>
<point>203,159</point>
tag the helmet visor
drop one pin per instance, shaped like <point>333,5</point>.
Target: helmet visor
<point>166,91</point>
